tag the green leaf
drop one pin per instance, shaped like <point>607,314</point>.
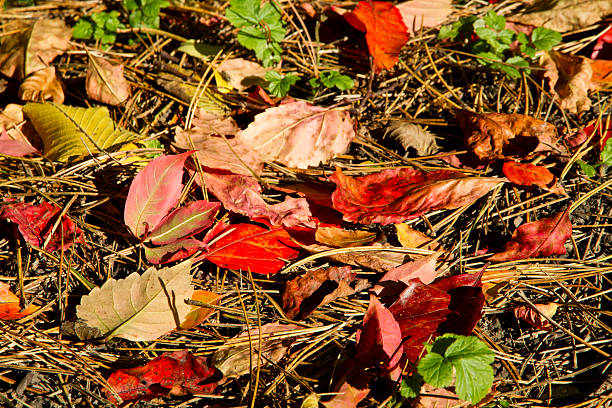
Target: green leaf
<point>199,50</point>
<point>494,21</point>
<point>487,58</point>
<point>449,31</point>
<point>522,38</point>
<point>472,360</point>
<point>587,169</point>
<point>83,29</point>
<point>278,85</point>
<point>411,386</point>
<point>544,39</point>
<point>130,5</point>
<point>606,153</point>
<point>485,33</point>
<point>529,51</point>
<point>331,79</point>
<point>436,370</point>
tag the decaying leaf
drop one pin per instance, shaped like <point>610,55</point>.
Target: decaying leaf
<point>36,222</point>
<point>499,135</point>
<point>377,259</point>
<point>68,132</point>
<point>534,317</point>
<point>240,74</point>
<point>238,357</point>
<point>139,307</point>
<point>299,134</point>
<point>174,373</point>
<point>564,15</point>
<point>411,238</point>
<point>412,136</point>
<point>31,47</point>
<point>200,313</point>
<point>43,85</point>
<point>173,252</point>
<point>207,99</point>
<point>526,174</point>
<point>399,194</point>
<point>569,77</point>
<point>10,306</point>
<point>105,82</point>
<point>385,31</point>
<point>544,237</point>
<point>417,14</point>
<point>242,194</point>
<point>313,289</point>
<point>15,133</point>
<point>338,237</point>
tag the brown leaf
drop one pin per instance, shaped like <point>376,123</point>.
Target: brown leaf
<point>313,289</point>
<point>411,135</point>
<point>534,317</point>
<point>16,135</point>
<point>32,47</point>
<point>411,238</point>
<point>105,82</point>
<point>41,86</point>
<point>424,13</point>
<point>569,78</point>
<point>565,15</point>
<point>241,73</point>
<point>499,135</point>
<point>378,261</point>
<point>338,237</point>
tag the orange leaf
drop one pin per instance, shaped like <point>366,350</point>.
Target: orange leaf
<point>200,313</point>
<point>526,174</point>
<point>10,308</point>
<point>385,31</point>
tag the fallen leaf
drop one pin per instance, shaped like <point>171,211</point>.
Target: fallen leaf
<point>431,397</point>
<point>540,238</point>
<point>526,174</point>
<point>417,14</point>
<point>68,132</point>
<point>184,222</point>
<point>412,136</point>
<point>602,72</point>
<point>32,47</point>
<point>208,99</point>
<point>299,134</point>
<point>10,306</point>
<point>35,222</point>
<point>339,237</point>
<point>385,31</point>
<point>399,194</point>
<point>15,133</point>
<point>105,82</point>
<point>569,78</point>
<point>494,136</point>
<point>564,15</point>
<point>175,373</point>
<point>175,251</point>
<point>200,313</point>
<point>534,317</point>
<point>139,307</point>
<point>313,289</point>
<point>242,194</point>
<point>254,248</point>
<point>380,339</point>
<point>395,281</point>
<point>155,190</point>
<point>376,259</point>
<point>43,85</point>
<point>241,74</point>
<point>238,358</point>
<point>411,238</point>
<point>602,48</point>
<point>347,396</point>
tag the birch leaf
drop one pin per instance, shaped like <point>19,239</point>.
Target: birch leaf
<point>139,307</point>
<point>69,132</point>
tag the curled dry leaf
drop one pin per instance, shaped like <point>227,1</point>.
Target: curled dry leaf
<point>431,397</point>
<point>544,237</point>
<point>412,136</point>
<point>376,259</point>
<point>139,307</point>
<point>385,31</point>
<point>15,134</point>
<point>236,358</point>
<point>174,373</point>
<point>411,238</point>
<point>299,134</point>
<point>42,85</point>
<point>396,195</point>
<point>36,221</point>
<point>10,305</point>
<point>534,317</point>
<point>417,14</point>
<point>31,47</point>
<point>338,237</point>
<point>494,136</point>
<point>240,74</point>
<point>105,82</point>
<point>569,77</point>
<point>565,15</point>
<point>313,289</point>
<point>526,174</point>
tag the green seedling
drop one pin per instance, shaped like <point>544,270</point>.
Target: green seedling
<point>101,26</point>
<point>490,40</point>
<point>332,79</point>
<point>278,84</point>
<point>605,159</point>
<point>144,13</point>
<point>261,28</point>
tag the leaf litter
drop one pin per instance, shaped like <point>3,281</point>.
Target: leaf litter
<point>175,231</point>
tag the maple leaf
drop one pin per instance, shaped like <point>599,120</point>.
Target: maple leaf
<point>10,305</point>
<point>173,373</point>
<point>313,289</point>
<point>396,195</point>
<point>385,31</point>
<point>299,134</point>
<point>105,82</point>
<point>254,248</point>
<point>526,174</point>
<point>534,317</point>
<point>35,222</point>
<point>544,237</point>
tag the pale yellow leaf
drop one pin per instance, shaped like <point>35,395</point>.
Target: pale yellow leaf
<point>42,85</point>
<point>139,307</point>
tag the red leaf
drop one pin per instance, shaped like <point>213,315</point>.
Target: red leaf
<point>423,269</point>
<point>254,248</point>
<point>526,174</point>
<point>36,221</point>
<point>396,195</point>
<point>544,237</point>
<point>602,46</point>
<point>380,340</point>
<point>177,373</point>
<point>385,31</point>
<point>531,316</point>
<point>155,190</point>
<point>305,293</point>
<point>10,307</point>
<point>185,222</point>
<point>174,251</point>
<point>348,395</point>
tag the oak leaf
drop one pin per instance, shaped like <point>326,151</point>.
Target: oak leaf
<point>385,31</point>
<point>42,85</point>
<point>105,82</point>
<point>139,307</point>
<point>175,373</point>
<point>299,134</point>
<point>396,195</point>
<point>10,305</point>
<point>544,237</point>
